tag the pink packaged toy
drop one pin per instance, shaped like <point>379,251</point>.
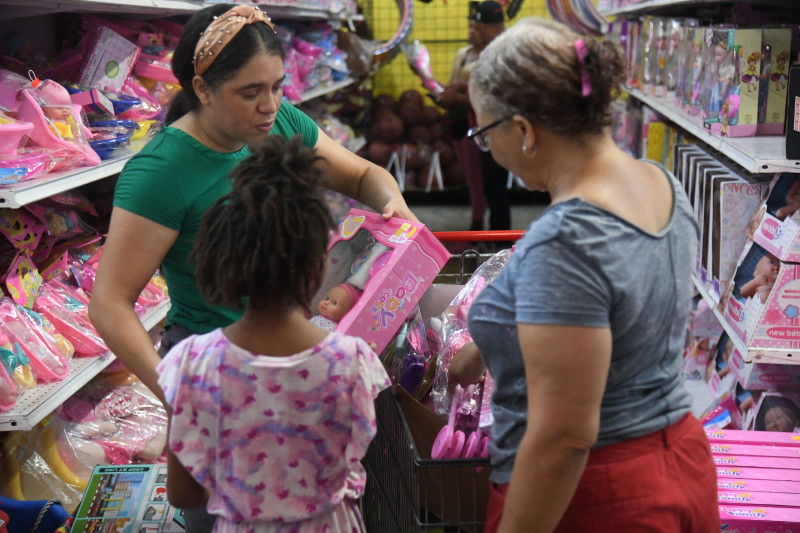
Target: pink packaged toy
<point>718,448</point>
<point>75,326</point>
<point>759,519</point>
<point>775,499</point>
<point>763,376</point>
<point>768,438</point>
<point>47,361</point>
<point>759,485</point>
<point>399,267</point>
<point>775,226</point>
<point>58,124</point>
<point>750,472</point>
<point>761,305</point>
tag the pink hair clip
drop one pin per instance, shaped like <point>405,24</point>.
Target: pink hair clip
<point>582,50</point>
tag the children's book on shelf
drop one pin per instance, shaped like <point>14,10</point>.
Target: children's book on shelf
<point>128,499</point>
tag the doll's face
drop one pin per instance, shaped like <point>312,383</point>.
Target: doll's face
<point>779,419</point>
<point>767,266</point>
<point>720,51</point>
<point>335,304</point>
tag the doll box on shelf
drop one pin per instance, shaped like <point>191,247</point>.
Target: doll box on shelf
<point>759,519</point>
<point>773,85</point>
<point>763,376</point>
<point>758,485</point>
<point>777,222</point>
<point>764,315</point>
<point>762,438</point>
<point>416,257</point>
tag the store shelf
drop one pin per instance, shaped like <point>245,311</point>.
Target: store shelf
<point>758,155</point>
<point>37,403</point>
<point>28,8</point>
<point>26,192</point>
<point>673,6</point>
<point>327,89</point>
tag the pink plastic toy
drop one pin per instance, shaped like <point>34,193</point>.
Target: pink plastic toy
<point>11,133</point>
<point>56,121</point>
<point>47,361</point>
<point>76,328</point>
<point>8,391</point>
<point>450,441</point>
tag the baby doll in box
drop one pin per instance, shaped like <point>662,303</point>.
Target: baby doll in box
<point>377,270</point>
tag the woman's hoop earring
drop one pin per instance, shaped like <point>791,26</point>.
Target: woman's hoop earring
<point>532,153</point>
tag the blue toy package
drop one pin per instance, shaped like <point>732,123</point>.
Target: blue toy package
<point>41,516</point>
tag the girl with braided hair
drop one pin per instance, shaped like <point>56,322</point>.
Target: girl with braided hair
<point>271,415</point>
<point>593,428</point>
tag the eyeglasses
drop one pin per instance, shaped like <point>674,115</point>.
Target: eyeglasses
<point>481,137</point>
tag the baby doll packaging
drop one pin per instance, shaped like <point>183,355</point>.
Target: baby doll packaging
<point>390,263</point>
<point>759,519</point>
<point>773,85</point>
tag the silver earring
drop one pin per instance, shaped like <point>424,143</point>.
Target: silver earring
<point>525,150</point>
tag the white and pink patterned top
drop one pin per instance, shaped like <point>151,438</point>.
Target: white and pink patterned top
<point>277,441</point>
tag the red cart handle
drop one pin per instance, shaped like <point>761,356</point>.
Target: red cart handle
<point>460,236</point>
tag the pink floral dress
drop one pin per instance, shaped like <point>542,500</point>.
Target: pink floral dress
<point>277,441</point>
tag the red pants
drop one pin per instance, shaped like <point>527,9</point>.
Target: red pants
<point>665,482</point>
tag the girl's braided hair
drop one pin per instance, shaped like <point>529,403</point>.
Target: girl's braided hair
<point>265,243</point>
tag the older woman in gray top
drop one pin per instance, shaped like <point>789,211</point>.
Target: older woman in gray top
<point>583,330</point>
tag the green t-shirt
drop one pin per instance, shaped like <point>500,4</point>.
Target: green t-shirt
<point>173,181</point>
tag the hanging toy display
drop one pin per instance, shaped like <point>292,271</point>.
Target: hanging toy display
<point>388,50</point>
<point>420,62</point>
<point>580,15</point>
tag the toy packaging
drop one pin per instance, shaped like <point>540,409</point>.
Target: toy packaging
<point>776,225</point>
<point>759,519</point>
<point>757,376</point>
<point>773,85</point>
<point>761,305</point>
<point>390,264</point>
<point>109,61</point>
<point>790,487</point>
<point>765,438</point>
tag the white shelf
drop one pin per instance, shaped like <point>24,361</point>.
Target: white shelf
<point>648,6</point>
<point>26,8</point>
<point>758,155</point>
<point>327,89</point>
<point>40,401</point>
<point>26,192</point>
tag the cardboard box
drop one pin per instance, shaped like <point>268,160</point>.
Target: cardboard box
<point>109,61</point>
<point>414,259</point>
<point>759,519</point>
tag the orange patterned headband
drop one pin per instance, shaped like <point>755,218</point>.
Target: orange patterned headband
<point>221,31</point>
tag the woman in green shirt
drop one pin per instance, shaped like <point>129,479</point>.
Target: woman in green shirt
<point>232,95</point>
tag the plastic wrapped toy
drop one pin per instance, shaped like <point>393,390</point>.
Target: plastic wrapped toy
<point>454,327</point>
<point>57,122</point>
<point>46,358</point>
<point>420,62</point>
<point>69,316</point>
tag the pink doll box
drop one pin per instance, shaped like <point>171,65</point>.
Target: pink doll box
<point>768,438</point>
<point>764,376</point>
<point>390,294</point>
<point>777,222</point>
<point>774,499</point>
<point>773,85</point>
<point>758,485</point>
<point>757,450</point>
<point>791,463</point>
<point>759,519</point>
<point>751,472</point>
<point>110,61</point>
<point>763,314</point>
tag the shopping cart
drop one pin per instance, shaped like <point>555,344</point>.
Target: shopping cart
<point>407,491</point>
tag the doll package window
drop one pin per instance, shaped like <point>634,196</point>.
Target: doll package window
<point>382,268</point>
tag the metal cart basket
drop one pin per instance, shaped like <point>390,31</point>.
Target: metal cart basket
<point>407,492</point>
